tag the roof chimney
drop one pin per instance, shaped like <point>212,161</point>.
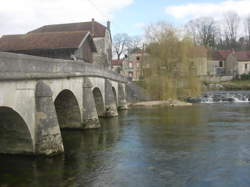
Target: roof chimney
<point>93,27</point>
<point>108,25</point>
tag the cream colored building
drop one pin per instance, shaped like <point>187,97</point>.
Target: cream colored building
<point>243,67</point>
<point>201,66</point>
<point>229,63</point>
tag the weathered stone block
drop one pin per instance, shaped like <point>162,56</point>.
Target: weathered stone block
<point>90,116</point>
<point>48,135</point>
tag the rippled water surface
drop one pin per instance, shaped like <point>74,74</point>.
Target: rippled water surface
<point>202,145</point>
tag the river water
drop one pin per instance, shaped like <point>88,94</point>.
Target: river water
<point>204,145</point>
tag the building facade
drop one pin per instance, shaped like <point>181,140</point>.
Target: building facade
<point>229,63</point>
<point>133,65</point>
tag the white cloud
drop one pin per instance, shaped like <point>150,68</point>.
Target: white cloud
<point>20,16</point>
<point>216,10</point>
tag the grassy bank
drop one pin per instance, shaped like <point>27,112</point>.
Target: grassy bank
<point>235,85</point>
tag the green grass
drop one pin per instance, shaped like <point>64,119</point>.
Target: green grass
<point>236,85</point>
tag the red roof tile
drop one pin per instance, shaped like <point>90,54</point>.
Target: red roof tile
<point>224,53</point>
<point>220,54</point>
<point>117,62</point>
<point>243,55</point>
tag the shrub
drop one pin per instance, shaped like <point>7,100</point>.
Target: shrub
<point>245,76</point>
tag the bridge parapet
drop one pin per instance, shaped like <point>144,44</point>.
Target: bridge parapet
<point>25,67</point>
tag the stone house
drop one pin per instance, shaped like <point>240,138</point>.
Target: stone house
<point>229,63</point>
<point>217,61</point>
<point>200,61</point>
<point>101,36</point>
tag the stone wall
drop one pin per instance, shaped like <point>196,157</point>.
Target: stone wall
<point>103,56</point>
<point>216,78</point>
<point>20,67</point>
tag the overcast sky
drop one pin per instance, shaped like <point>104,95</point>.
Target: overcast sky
<point>130,16</point>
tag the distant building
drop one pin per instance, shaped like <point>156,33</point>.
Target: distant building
<point>229,63</point>
<point>66,41</point>
<point>217,61</point>
<point>200,61</point>
<point>243,65</point>
<point>132,66</point>
<point>117,65</point>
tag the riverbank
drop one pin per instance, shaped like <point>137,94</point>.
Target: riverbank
<point>169,102</point>
<point>236,85</point>
<point>229,85</point>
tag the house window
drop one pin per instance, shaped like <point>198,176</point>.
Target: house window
<point>245,66</point>
<point>130,65</point>
<point>138,58</point>
<point>221,64</point>
<point>130,74</point>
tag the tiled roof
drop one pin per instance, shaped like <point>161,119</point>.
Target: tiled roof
<point>220,54</point>
<point>243,55</point>
<point>98,29</point>
<point>51,40</point>
<point>223,54</point>
<point>117,62</point>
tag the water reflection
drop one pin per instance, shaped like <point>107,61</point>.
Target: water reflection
<point>201,145</point>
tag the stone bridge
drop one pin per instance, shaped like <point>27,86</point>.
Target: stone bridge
<point>39,96</point>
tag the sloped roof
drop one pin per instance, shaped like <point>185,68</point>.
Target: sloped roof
<point>117,62</point>
<point>98,29</point>
<point>223,54</point>
<point>220,54</point>
<point>47,40</point>
<point>243,55</point>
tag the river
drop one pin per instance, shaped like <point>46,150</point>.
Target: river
<point>202,145</point>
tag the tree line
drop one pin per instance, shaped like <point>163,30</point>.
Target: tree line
<point>231,32</point>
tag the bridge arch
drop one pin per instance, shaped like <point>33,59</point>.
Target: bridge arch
<point>99,101</point>
<point>68,110</point>
<point>15,137</point>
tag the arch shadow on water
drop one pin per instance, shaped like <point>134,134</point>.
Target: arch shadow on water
<point>15,137</point>
<point>67,110</point>
<point>99,103</point>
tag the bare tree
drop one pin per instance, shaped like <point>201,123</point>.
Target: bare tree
<point>247,27</point>
<point>121,43</point>
<point>191,28</point>
<point>231,26</point>
<point>203,31</point>
<point>135,43</point>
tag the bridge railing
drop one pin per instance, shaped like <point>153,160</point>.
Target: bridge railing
<point>24,67</point>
